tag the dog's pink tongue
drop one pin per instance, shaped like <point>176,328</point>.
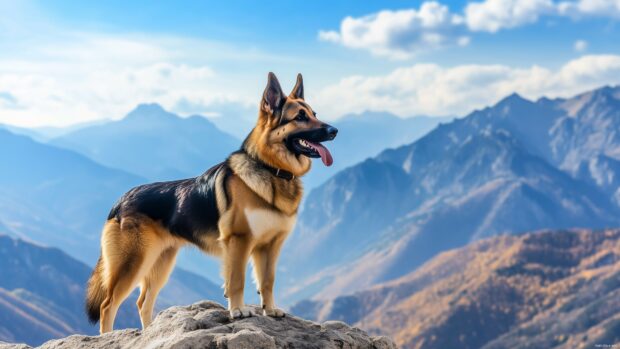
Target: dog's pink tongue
<point>326,156</point>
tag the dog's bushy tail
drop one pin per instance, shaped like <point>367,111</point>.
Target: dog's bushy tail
<point>96,293</point>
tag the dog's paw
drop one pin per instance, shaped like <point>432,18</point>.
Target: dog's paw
<point>240,313</point>
<point>274,312</point>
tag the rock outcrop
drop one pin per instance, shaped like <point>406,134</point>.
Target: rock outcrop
<point>207,325</point>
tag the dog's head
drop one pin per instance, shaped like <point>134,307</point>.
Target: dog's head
<point>288,132</point>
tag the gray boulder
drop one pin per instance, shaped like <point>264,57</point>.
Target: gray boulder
<point>207,325</point>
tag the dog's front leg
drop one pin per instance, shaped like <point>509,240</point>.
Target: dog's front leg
<point>265,259</point>
<point>236,255</point>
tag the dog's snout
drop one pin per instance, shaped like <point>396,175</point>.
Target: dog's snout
<point>331,131</point>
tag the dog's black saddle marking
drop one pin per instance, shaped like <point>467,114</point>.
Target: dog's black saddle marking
<point>187,207</point>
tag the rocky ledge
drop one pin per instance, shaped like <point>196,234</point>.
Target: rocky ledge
<point>207,325</point>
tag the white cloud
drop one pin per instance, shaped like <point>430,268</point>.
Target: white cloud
<point>80,95</point>
<point>598,8</point>
<point>329,36</point>
<point>69,77</point>
<point>463,41</point>
<point>397,34</point>
<point>52,74</point>
<point>580,45</point>
<point>429,89</point>
<point>493,15</point>
<point>403,33</point>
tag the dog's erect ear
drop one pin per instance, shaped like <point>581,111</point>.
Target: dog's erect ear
<point>273,97</point>
<point>298,90</point>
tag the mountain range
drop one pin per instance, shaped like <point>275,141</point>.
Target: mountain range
<point>45,133</point>
<point>42,293</point>
<point>516,166</point>
<point>550,289</point>
<point>59,188</point>
<point>55,196</point>
<point>158,145</point>
<point>371,221</point>
<point>153,143</point>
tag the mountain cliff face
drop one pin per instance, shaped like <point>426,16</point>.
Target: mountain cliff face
<point>153,144</point>
<point>503,169</point>
<point>586,142</point>
<point>547,289</point>
<point>42,293</point>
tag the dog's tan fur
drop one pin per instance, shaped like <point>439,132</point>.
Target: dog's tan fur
<point>257,212</point>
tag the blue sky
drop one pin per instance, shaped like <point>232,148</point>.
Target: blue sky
<point>63,62</point>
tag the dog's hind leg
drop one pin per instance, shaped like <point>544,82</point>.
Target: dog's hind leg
<point>128,254</point>
<point>153,283</point>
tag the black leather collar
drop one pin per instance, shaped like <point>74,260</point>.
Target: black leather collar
<point>280,173</point>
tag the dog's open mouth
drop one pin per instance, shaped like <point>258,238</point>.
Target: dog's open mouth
<point>308,143</point>
<point>314,150</point>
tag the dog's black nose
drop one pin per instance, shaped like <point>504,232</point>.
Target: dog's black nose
<point>331,131</point>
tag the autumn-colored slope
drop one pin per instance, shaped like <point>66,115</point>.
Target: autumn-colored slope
<point>556,289</point>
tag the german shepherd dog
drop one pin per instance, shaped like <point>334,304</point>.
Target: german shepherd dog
<point>243,207</point>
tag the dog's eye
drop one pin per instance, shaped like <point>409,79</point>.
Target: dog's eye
<point>301,116</point>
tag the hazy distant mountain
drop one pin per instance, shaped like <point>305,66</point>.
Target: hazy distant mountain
<point>372,129</point>
<point>45,133</point>
<point>233,118</point>
<point>142,142</point>
<point>42,294</point>
<point>365,135</point>
<point>153,143</point>
<point>24,131</point>
<point>492,172</point>
<point>60,198</point>
<point>56,196</point>
<point>556,289</point>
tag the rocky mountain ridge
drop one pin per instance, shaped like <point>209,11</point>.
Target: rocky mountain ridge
<point>502,169</point>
